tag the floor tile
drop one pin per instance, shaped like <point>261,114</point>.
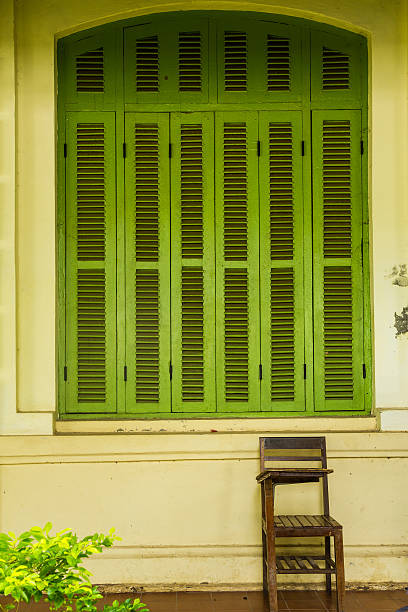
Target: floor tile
<point>303,600</point>
<point>231,601</point>
<point>194,601</point>
<point>330,602</point>
<point>253,601</point>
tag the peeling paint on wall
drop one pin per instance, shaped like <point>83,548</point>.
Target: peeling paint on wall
<point>401,322</point>
<point>399,275</point>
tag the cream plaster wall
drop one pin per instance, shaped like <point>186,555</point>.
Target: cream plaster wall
<point>185,501</point>
<point>187,506</point>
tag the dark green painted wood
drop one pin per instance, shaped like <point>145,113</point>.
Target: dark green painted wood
<point>91,70</point>
<point>338,70</point>
<point>281,261</point>
<point>167,60</point>
<point>147,238</point>
<point>338,266</point>
<point>91,263</point>
<point>193,262</point>
<point>237,261</point>
<point>258,61</point>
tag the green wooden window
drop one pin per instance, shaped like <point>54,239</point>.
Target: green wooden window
<point>213,228</point>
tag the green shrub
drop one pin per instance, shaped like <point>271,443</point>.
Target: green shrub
<point>36,565</point>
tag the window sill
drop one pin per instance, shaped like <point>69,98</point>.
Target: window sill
<point>217,425</point>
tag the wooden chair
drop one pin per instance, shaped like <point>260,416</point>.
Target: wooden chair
<point>275,453</point>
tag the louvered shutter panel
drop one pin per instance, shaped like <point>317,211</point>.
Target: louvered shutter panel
<point>237,256</point>
<point>91,263</point>
<point>193,266</point>
<point>338,275</point>
<point>90,71</point>
<point>337,68</point>
<point>258,62</point>
<point>167,62</point>
<point>281,257</point>
<point>147,223</point>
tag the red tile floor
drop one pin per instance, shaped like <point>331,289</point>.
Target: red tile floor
<point>252,601</point>
<point>294,601</point>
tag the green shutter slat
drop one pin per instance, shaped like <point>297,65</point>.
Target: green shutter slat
<point>237,238</point>
<point>337,189</point>
<point>191,190</point>
<point>147,340</point>
<point>278,63</point>
<point>282,253</point>
<point>147,185</point>
<point>91,326</point>
<point>337,65</point>
<point>90,73</point>
<point>147,263</point>
<point>258,61</point>
<point>90,68</point>
<point>235,61</point>
<point>192,334</point>
<point>90,179</point>
<point>190,61</point>
<point>338,275</point>
<point>236,335</point>
<point>147,64</point>
<point>91,263</point>
<point>166,61</point>
<point>282,340</point>
<point>338,333</point>
<point>235,193</point>
<point>192,234</point>
<point>335,69</point>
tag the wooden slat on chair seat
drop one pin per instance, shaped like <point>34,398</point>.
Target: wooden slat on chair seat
<point>306,521</point>
<point>304,564</point>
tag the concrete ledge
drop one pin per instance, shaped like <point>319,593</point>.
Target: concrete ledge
<point>250,425</point>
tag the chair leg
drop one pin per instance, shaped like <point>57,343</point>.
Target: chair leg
<point>340,582</point>
<point>264,568</point>
<point>327,555</point>
<point>272,587</point>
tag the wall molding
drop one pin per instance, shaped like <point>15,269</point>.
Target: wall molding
<point>19,450</point>
<point>235,567</point>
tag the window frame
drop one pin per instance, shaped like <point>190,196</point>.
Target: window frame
<point>115,34</point>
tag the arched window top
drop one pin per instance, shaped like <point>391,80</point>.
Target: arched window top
<point>206,58</point>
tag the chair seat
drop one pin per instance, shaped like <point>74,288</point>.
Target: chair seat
<point>305,521</point>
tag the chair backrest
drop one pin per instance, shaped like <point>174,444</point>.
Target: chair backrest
<point>279,450</point>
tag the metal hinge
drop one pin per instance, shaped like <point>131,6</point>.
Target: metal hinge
<point>260,371</point>
<point>303,148</point>
<point>65,373</point>
<point>258,148</point>
<point>124,150</point>
<point>304,371</point>
<point>125,373</point>
<point>65,149</point>
<point>364,371</point>
<point>171,371</point>
<point>170,149</point>
<point>361,147</point>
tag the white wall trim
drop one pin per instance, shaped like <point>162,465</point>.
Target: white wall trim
<point>394,420</point>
